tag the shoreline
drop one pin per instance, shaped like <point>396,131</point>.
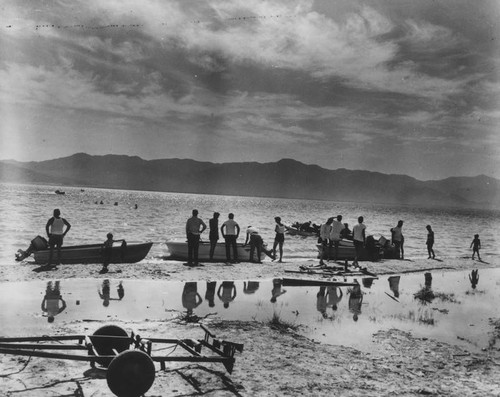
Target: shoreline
<point>276,359</point>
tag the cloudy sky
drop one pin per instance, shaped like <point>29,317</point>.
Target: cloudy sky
<point>396,86</point>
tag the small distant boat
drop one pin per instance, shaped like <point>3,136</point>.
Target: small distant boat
<point>93,253</point>
<point>179,251</point>
<point>296,232</point>
<point>59,192</point>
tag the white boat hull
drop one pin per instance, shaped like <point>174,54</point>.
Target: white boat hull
<point>179,250</point>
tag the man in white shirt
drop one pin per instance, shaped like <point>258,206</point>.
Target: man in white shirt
<point>398,239</point>
<point>230,234</point>
<point>324,234</point>
<point>359,237</point>
<point>336,230</point>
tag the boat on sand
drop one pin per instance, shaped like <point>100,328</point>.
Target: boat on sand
<point>178,250</point>
<point>83,254</point>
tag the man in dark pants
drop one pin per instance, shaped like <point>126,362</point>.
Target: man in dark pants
<point>193,233</point>
<point>213,234</point>
<point>230,231</point>
<point>55,231</point>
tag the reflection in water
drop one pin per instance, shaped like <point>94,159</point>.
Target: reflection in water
<point>277,291</point>
<point>52,300</point>
<point>191,299</point>
<point>334,295</point>
<point>250,287</point>
<point>367,282</point>
<point>394,285</point>
<point>227,292</point>
<point>474,278</point>
<point>321,301</point>
<point>210,293</point>
<point>105,292</point>
<point>425,294</point>
<point>355,301</point>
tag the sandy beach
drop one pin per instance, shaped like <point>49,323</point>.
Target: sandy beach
<point>276,359</point>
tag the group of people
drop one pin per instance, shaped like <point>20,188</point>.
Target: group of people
<point>330,235</point>
<point>230,231</point>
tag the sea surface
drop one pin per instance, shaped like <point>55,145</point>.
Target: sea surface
<point>25,209</point>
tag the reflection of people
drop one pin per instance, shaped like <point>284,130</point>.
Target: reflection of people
<point>227,292</point>
<point>213,236</point>
<point>321,301</point>
<point>398,239</point>
<point>105,293</point>
<point>279,238</point>
<point>256,243</point>
<point>334,295</point>
<point>250,287</point>
<point>55,232</point>
<point>277,291</point>
<point>210,293</point>
<point>430,242</point>
<point>394,285</point>
<point>193,232</point>
<point>335,235</point>
<point>191,299</point>
<point>359,236</point>
<point>355,301</point>
<point>476,246</point>
<point>474,278</point>
<point>51,301</point>
<point>230,231</point>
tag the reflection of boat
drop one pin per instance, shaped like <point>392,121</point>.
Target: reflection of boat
<point>93,253</point>
<point>179,250</point>
<point>296,232</point>
<point>303,282</point>
<point>59,192</point>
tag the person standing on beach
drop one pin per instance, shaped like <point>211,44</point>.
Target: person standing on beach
<point>193,233</point>
<point>397,239</point>
<point>359,237</point>
<point>279,239</point>
<point>476,246</point>
<point>324,235</point>
<point>55,232</point>
<point>230,234</point>
<point>213,234</point>
<point>335,236</point>
<point>430,242</point>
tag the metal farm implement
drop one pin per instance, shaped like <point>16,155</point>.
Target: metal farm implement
<point>129,359</point>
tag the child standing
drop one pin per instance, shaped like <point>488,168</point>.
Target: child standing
<point>476,246</point>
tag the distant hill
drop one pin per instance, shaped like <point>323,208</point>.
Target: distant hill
<point>286,178</point>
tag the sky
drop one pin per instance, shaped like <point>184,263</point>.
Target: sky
<point>394,86</point>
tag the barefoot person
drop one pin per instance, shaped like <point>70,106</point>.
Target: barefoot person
<point>397,240</point>
<point>279,238</point>
<point>55,232</point>
<point>359,235</point>
<point>430,242</point>
<point>476,246</point>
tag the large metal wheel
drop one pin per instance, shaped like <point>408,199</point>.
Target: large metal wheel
<point>106,346</point>
<point>131,374</point>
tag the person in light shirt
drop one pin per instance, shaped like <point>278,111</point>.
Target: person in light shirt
<point>359,237</point>
<point>335,235</point>
<point>55,229</point>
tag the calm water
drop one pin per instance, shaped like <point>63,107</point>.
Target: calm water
<point>458,314</point>
<point>24,210</point>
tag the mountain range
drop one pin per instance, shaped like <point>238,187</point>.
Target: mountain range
<point>286,178</point>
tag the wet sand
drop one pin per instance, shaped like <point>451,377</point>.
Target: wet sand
<point>276,360</point>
